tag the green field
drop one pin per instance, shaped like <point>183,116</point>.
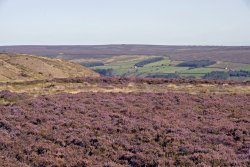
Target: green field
<point>125,66</point>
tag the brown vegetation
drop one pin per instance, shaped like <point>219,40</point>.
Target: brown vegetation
<point>118,129</point>
<point>126,85</point>
<point>18,67</point>
<point>239,54</point>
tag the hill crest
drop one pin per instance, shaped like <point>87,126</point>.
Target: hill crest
<point>23,67</point>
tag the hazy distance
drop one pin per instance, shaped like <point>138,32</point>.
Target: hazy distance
<point>166,22</point>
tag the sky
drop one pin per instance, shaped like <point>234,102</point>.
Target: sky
<point>87,22</point>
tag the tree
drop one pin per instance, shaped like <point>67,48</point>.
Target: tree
<point>217,75</point>
<point>105,72</point>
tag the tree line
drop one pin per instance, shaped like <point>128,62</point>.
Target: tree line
<point>197,63</point>
<point>148,61</point>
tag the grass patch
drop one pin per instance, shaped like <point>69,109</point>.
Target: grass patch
<point>125,66</point>
<point>6,102</point>
<point>54,87</point>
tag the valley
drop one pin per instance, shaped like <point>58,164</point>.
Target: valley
<point>120,60</point>
<point>58,113</point>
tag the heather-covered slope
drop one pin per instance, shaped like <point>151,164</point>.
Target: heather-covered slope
<point>19,67</point>
<point>239,54</point>
<point>118,129</point>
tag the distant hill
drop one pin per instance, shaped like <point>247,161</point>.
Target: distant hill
<point>236,54</point>
<point>20,67</point>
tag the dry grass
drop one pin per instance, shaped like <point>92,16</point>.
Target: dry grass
<point>53,87</point>
<point>20,67</point>
<point>6,102</point>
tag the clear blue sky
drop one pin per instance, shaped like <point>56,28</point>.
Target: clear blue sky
<point>174,22</point>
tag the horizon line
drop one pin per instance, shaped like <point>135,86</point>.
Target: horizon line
<point>16,45</point>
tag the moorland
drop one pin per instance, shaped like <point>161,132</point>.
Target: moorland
<point>84,119</point>
<point>225,62</point>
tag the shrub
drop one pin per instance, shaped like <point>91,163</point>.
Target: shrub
<point>169,75</point>
<point>92,64</point>
<point>221,75</point>
<point>105,72</point>
<point>240,73</point>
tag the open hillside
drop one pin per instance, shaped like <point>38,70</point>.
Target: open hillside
<point>116,122</point>
<point>155,61</point>
<point>20,67</point>
<point>236,54</point>
<point>57,113</point>
<point>164,67</point>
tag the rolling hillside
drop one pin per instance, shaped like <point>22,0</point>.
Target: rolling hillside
<point>118,122</point>
<point>235,54</point>
<point>121,60</point>
<point>20,67</point>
